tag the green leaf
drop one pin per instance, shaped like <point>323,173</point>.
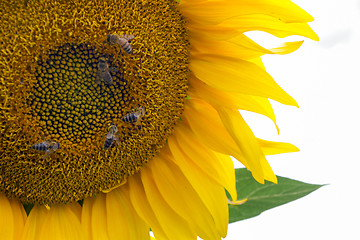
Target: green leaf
<point>262,197</point>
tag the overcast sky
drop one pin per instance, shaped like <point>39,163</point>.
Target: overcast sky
<point>324,79</point>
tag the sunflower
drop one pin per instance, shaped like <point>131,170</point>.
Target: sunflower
<point>120,116</point>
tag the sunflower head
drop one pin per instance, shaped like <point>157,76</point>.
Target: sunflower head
<point>90,91</point>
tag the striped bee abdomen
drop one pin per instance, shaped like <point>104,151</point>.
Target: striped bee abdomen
<point>131,117</point>
<point>43,146</point>
<point>108,142</point>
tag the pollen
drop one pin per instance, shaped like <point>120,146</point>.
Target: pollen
<point>66,92</point>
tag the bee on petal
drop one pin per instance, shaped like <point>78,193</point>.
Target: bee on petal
<point>47,146</point>
<point>122,40</point>
<point>111,136</point>
<point>134,116</point>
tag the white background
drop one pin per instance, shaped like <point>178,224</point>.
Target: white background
<point>324,78</point>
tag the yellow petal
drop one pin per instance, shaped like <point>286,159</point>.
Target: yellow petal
<point>86,217</point>
<point>287,48</point>
<point>8,215</point>
<point>230,99</point>
<point>214,12</point>
<point>266,169</point>
<point>76,209</point>
<point>238,202</point>
<point>62,223</point>
<point>211,193</point>
<point>227,163</point>
<point>240,132</point>
<point>250,49</point>
<point>201,117</point>
<point>98,218</point>
<point>244,138</point>
<point>264,107</point>
<point>19,218</point>
<point>123,222</point>
<point>258,62</point>
<point>119,219</point>
<point>58,223</point>
<point>172,223</point>
<point>236,75</point>
<point>219,167</point>
<point>6,226</point>
<point>271,148</point>
<point>239,47</point>
<point>34,223</point>
<point>214,32</point>
<point>142,206</point>
<point>272,25</point>
<point>182,198</point>
<point>242,47</point>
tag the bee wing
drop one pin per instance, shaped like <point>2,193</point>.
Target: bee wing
<point>127,36</point>
<point>117,140</point>
<point>138,120</point>
<point>47,153</point>
<point>142,111</point>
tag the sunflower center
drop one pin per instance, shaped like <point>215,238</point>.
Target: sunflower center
<point>89,96</point>
<point>72,101</point>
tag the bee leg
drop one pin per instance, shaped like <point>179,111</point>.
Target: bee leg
<point>47,154</point>
<point>138,120</point>
<point>117,140</point>
<point>128,37</point>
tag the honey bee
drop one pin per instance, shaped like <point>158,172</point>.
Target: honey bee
<point>47,146</point>
<point>122,40</point>
<point>111,136</point>
<point>103,71</point>
<point>134,116</point>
